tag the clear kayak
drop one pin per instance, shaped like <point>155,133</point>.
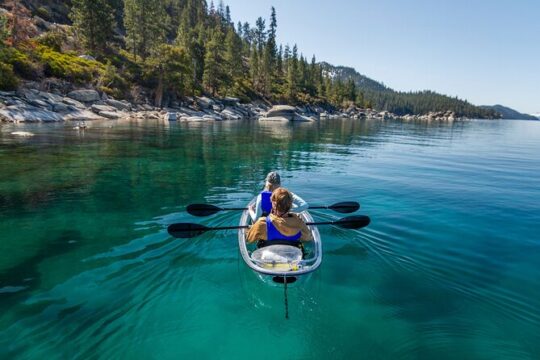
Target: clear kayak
<point>281,260</point>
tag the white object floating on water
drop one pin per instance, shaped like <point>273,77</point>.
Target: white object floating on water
<point>22,133</point>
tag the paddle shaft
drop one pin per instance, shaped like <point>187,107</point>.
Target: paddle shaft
<point>247,226</point>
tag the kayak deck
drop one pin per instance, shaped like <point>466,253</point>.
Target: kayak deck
<point>292,266</point>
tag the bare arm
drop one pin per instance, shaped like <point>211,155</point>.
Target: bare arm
<point>256,212</point>
<point>299,204</point>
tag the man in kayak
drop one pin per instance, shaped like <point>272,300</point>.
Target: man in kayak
<point>263,205</point>
<point>280,227</point>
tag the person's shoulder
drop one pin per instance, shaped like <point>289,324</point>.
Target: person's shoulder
<point>295,217</point>
<point>260,220</point>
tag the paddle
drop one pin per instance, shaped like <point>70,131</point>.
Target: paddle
<point>345,207</point>
<point>189,230</point>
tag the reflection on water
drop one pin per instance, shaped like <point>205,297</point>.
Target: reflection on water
<point>448,268</point>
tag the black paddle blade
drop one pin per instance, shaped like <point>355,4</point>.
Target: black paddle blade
<point>202,209</point>
<point>345,207</point>
<point>186,230</point>
<point>281,279</point>
<point>353,222</point>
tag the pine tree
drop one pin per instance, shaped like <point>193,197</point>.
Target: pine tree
<point>292,75</point>
<point>233,55</point>
<point>270,55</point>
<point>145,22</point>
<point>214,75</point>
<point>94,22</point>
<point>167,69</point>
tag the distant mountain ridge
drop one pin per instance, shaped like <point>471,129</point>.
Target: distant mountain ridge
<point>344,73</point>
<point>382,97</point>
<point>508,113</point>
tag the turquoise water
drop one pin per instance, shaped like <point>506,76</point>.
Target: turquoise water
<point>448,269</point>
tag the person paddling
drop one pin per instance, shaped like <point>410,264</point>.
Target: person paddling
<point>280,226</point>
<point>263,205</point>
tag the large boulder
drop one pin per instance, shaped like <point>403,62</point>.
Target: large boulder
<point>231,114</point>
<point>281,111</point>
<point>119,105</point>
<point>111,114</point>
<point>28,113</point>
<point>99,108</point>
<point>50,98</point>
<point>74,103</point>
<point>205,102</point>
<point>85,95</point>
<point>80,115</point>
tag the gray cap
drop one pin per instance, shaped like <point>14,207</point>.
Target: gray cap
<point>273,178</point>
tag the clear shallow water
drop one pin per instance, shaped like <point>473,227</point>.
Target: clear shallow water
<point>448,269</point>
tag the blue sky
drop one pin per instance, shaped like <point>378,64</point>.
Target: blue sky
<point>485,51</point>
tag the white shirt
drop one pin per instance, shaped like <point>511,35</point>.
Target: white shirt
<point>298,206</point>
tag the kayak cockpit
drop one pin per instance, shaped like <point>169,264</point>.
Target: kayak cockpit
<point>281,260</point>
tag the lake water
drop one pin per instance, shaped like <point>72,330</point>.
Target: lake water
<point>448,269</point>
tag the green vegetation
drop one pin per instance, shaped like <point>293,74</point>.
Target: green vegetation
<point>175,48</point>
<point>8,80</point>
<point>94,21</point>
<point>67,66</point>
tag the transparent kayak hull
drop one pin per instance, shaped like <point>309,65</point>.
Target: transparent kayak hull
<point>276,260</point>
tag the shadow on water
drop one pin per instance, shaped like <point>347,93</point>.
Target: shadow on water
<point>26,277</point>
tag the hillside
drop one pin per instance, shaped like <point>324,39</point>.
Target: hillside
<point>382,97</point>
<point>508,113</point>
<point>163,51</point>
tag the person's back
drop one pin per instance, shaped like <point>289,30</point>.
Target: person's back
<point>263,204</point>
<point>279,226</point>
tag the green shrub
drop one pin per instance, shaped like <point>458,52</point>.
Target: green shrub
<point>112,83</point>
<point>21,63</point>
<point>68,66</point>
<point>8,80</point>
<point>53,39</point>
<point>43,13</point>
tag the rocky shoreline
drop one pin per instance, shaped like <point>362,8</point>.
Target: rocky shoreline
<point>31,105</point>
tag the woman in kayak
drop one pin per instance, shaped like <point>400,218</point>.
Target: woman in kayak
<point>263,205</point>
<point>280,227</point>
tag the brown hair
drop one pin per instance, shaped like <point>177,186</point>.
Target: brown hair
<point>281,200</point>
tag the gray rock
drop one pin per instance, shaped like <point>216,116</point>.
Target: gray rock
<point>60,107</point>
<point>120,105</point>
<point>50,98</point>
<point>28,114</point>
<point>40,104</point>
<point>84,95</point>
<point>281,110</point>
<point>82,115</point>
<point>231,101</point>
<point>99,108</point>
<point>170,116</point>
<point>205,102</point>
<point>104,97</point>
<point>29,94</point>
<point>87,57</point>
<point>196,118</point>
<point>8,93</point>
<point>111,114</point>
<point>231,114</point>
<point>74,103</point>
<point>212,117</point>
